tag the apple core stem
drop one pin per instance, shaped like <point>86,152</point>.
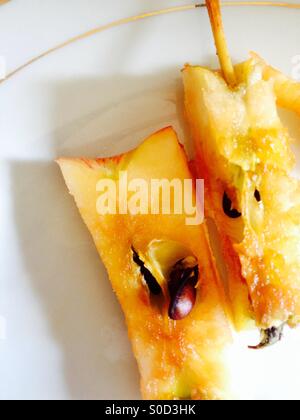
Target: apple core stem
<point>214,11</point>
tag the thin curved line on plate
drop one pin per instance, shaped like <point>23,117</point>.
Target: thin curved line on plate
<point>131,19</point>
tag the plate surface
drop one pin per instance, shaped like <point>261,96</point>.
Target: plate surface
<point>62,333</point>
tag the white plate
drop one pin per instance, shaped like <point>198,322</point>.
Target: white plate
<point>65,335</point>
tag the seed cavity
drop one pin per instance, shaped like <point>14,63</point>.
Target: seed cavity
<point>227,207</point>
<point>257,196</point>
<point>182,288</point>
<point>181,279</point>
<point>150,280</point>
<point>269,337</point>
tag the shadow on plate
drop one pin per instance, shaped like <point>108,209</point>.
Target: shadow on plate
<point>65,270</point>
